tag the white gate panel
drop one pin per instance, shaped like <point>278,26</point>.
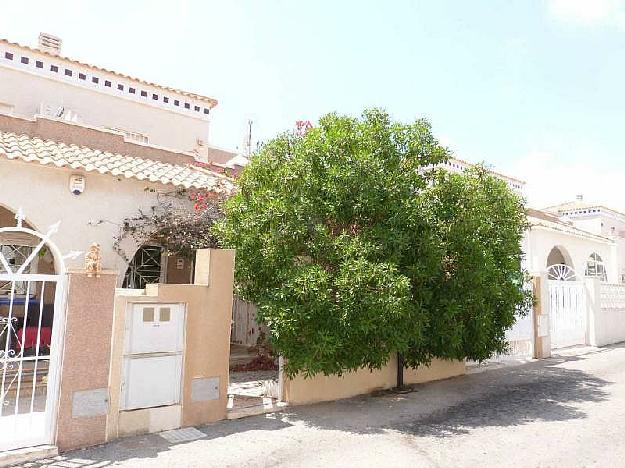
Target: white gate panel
<point>152,381</point>
<point>567,313</point>
<point>31,335</point>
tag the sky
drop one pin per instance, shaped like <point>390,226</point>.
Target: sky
<point>533,88</point>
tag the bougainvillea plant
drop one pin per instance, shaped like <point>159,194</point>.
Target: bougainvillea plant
<point>355,247</point>
<point>180,222</point>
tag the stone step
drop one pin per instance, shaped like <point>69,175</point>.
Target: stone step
<point>26,455</point>
<point>242,407</point>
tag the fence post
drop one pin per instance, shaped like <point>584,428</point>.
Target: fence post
<point>542,338</point>
<point>593,308</point>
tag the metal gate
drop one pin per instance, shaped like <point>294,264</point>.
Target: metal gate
<point>567,311</point>
<point>31,334</point>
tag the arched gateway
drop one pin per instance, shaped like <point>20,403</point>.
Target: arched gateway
<point>32,296</point>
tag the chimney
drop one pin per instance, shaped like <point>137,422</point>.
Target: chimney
<point>49,43</point>
<point>580,197</point>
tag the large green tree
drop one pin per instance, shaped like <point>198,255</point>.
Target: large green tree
<point>354,248</point>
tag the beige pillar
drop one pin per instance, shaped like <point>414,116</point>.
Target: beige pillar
<point>542,339</point>
<point>84,393</point>
<point>207,349</point>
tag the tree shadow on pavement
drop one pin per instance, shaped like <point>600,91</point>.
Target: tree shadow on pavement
<point>547,390</point>
<point>509,396</point>
<point>546,394</point>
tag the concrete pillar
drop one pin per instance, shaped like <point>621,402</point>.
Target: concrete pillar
<point>202,267</point>
<point>207,347</point>
<point>84,392</point>
<point>542,338</point>
<point>593,308</point>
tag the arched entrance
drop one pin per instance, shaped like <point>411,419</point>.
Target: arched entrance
<point>559,265</point>
<point>32,275</point>
<point>567,301</point>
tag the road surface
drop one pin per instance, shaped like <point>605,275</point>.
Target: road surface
<point>566,411</point>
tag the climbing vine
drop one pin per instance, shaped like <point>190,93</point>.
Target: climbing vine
<point>180,222</point>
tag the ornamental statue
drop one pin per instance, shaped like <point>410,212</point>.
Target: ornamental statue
<point>93,261</point>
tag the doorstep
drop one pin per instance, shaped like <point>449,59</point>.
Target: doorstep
<point>29,454</point>
<point>242,406</point>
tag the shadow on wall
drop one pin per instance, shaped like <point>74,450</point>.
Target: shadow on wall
<point>505,397</point>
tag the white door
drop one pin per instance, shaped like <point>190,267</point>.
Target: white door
<point>152,380</point>
<point>155,328</point>
<point>154,355</point>
<point>31,335</point>
<point>567,313</point>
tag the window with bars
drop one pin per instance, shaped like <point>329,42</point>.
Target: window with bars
<point>595,268</point>
<point>145,268</point>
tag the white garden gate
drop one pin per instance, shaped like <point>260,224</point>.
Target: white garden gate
<point>567,307</point>
<point>31,335</point>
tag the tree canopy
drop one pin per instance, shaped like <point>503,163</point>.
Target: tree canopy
<point>355,247</point>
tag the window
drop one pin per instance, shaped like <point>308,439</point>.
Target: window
<point>196,108</point>
<point>120,87</point>
<point>132,90</point>
<point>54,68</point>
<point>95,79</point>
<point>107,83</point>
<point>165,314</point>
<point>25,60</point>
<point>144,94</point>
<point>595,267</point>
<point>155,97</point>
<point>187,105</point>
<point>148,314</point>
<point>68,72</point>
<point>82,76</point>
<point>176,102</point>
<point>8,55</point>
<point>165,99</point>
<point>39,64</point>
<point>206,110</point>
<point>145,268</point>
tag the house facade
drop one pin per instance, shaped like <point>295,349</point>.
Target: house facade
<point>92,147</point>
<point>83,152</point>
<point>587,238</point>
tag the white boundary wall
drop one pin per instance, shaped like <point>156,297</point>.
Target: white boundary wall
<point>606,304</point>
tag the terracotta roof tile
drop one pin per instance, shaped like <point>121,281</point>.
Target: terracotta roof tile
<point>48,152</point>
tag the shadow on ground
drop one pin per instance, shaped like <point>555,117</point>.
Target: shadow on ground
<point>547,390</point>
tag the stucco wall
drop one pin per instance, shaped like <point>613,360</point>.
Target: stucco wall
<point>606,312</point>
<point>95,216</point>
<point>300,390</point>
<point>206,350</point>
<point>539,243</point>
<point>102,108</point>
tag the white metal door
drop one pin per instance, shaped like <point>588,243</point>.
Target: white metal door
<point>31,334</point>
<point>155,328</point>
<point>567,313</point>
<point>153,358</point>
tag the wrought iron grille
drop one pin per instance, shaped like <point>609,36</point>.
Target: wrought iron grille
<point>145,268</point>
